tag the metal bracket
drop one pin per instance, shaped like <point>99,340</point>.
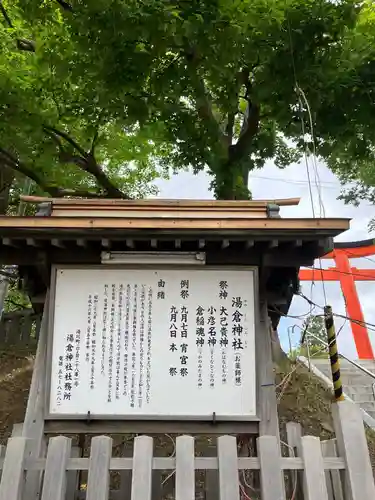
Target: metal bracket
<point>273,211</point>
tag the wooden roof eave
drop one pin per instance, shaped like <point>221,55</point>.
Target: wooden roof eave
<point>20,226</point>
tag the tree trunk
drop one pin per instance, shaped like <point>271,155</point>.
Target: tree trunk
<point>6,180</point>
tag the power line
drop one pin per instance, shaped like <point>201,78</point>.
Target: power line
<point>370,326</point>
<point>338,271</point>
<point>328,184</point>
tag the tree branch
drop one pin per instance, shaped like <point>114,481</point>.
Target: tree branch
<point>12,162</point>
<point>5,15</point>
<point>22,43</point>
<point>65,5</point>
<point>249,130</point>
<point>65,136</point>
<point>202,100</point>
<point>87,162</point>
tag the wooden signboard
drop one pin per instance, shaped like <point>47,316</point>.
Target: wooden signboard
<point>147,343</point>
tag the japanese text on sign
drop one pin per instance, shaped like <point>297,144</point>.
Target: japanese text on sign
<point>152,343</point>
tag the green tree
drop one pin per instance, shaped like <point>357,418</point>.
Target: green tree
<point>316,335</point>
<point>226,83</point>
<point>57,131</point>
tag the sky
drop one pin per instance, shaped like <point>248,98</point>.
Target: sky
<point>270,183</point>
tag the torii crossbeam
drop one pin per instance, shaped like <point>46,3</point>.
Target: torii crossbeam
<point>347,276</point>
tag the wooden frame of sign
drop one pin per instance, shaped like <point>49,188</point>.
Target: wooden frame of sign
<point>38,421</point>
<point>264,420</point>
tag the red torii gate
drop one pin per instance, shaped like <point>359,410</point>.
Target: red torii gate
<point>347,276</point>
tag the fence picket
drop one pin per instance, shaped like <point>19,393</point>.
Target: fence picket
<point>228,468</point>
<point>333,477</point>
<point>12,479</point>
<point>54,485</point>
<point>185,472</point>
<point>352,445</point>
<point>72,476</point>
<point>314,478</point>
<point>98,477</point>
<point>271,476</point>
<point>294,435</point>
<point>142,468</point>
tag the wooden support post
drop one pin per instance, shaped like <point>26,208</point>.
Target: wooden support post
<point>72,477</point>
<point>98,476</point>
<point>211,479</point>
<point>269,420</point>
<point>185,472</point>
<point>12,479</point>
<point>54,484</point>
<point>352,446</point>
<point>33,426</point>
<point>333,477</point>
<point>294,436</point>
<point>142,468</point>
<point>271,476</point>
<point>314,477</point>
<point>228,471</point>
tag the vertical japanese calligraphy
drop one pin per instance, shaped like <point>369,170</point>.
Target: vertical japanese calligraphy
<point>149,345</point>
<point>126,342</point>
<point>183,342</point>
<point>199,340</point>
<point>161,289</point>
<point>134,345</point>
<point>141,346</point>
<point>237,330</point>
<point>120,313</point>
<point>153,342</point>
<point>69,356</point>
<point>104,330</point>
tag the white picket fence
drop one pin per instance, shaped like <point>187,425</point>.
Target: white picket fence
<point>311,463</point>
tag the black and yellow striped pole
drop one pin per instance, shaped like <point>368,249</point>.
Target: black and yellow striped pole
<point>333,353</point>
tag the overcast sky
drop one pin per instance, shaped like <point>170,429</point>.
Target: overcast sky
<point>270,183</point>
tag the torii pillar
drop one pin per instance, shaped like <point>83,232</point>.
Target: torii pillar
<point>347,276</point>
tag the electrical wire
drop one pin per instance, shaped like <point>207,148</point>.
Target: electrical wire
<point>338,271</point>
<point>370,326</point>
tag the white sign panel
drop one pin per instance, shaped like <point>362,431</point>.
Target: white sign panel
<point>153,343</point>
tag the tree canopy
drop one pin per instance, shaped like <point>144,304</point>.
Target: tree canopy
<point>101,96</point>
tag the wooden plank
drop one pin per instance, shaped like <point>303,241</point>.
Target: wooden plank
<point>26,327</point>
<point>228,470</point>
<point>169,463</point>
<point>54,484</point>
<point>333,226</point>
<point>126,475</point>
<point>72,477</point>
<point>17,430</point>
<point>269,420</point>
<point>13,328</point>
<point>142,468</point>
<point>12,479</point>
<point>33,426</point>
<point>294,435</point>
<point>211,477</point>
<point>333,478</point>
<point>98,477</point>
<point>314,478</point>
<point>158,202</point>
<point>149,427</point>
<point>352,446</point>
<point>185,473</point>
<point>271,476</point>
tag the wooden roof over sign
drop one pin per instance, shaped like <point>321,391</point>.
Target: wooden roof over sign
<point>89,226</point>
<point>249,233</point>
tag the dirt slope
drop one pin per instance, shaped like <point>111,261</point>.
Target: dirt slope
<point>302,398</point>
